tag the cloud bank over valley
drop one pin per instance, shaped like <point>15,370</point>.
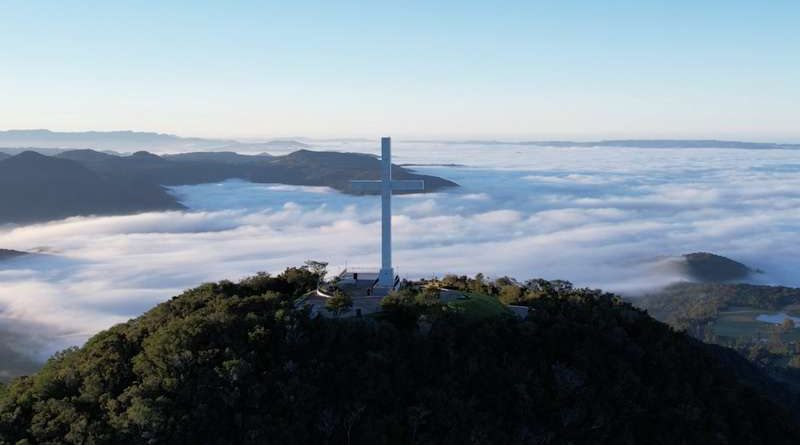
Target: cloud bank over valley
<point>600,217</point>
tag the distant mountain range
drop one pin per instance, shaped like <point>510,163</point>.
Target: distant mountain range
<point>51,142</point>
<point>637,143</point>
<point>20,140</point>
<point>35,187</point>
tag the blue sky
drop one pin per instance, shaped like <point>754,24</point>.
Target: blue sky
<point>559,69</point>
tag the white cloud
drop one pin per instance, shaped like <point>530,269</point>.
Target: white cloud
<point>593,216</point>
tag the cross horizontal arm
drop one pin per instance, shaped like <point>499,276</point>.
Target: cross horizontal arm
<point>408,185</point>
<point>365,186</point>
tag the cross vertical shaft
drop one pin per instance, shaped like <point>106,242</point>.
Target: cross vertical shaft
<point>385,186</point>
<point>386,275</point>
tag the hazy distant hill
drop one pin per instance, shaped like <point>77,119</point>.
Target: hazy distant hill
<point>15,141</point>
<point>255,147</point>
<point>703,267</point>
<point>638,143</point>
<point>227,157</point>
<point>130,141</point>
<point>34,187</point>
<point>708,267</point>
<point>6,254</point>
<point>668,143</point>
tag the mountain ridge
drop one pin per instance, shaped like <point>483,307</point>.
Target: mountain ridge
<point>127,140</point>
<point>35,187</point>
<point>7,254</point>
<point>632,143</point>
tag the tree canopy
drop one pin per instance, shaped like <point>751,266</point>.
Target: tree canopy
<point>244,363</point>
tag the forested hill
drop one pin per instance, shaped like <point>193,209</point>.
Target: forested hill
<point>35,187</point>
<point>244,363</point>
<point>6,254</point>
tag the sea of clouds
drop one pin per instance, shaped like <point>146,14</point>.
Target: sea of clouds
<point>599,217</point>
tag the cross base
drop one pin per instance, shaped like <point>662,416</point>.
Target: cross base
<point>386,278</point>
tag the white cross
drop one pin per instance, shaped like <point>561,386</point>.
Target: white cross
<point>386,185</point>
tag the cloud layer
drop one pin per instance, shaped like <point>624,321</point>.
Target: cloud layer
<point>597,217</point>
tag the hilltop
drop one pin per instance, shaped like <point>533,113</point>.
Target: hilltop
<point>703,267</point>
<point>240,363</point>
<point>708,267</point>
<point>35,187</point>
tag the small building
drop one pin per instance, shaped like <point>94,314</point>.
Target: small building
<point>358,283</point>
<point>361,279</point>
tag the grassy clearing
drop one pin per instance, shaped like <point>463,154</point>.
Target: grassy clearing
<point>478,306</point>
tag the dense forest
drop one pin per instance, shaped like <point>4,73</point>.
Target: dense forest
<point>686,305</point>
<point>230,363</point>
<point>700,309</point>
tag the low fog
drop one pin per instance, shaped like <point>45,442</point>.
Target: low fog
<point>597,217</point>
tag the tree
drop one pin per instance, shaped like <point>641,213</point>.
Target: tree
<point>405,306</point>
<point>477,285</point>
<point>339,303</point>
<point>510,294</point>
<point>318,268</point>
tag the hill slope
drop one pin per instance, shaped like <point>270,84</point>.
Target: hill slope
<point>6,254</point>
<point>237,363</point>
<point>708,267</point>
<point>34,187</point>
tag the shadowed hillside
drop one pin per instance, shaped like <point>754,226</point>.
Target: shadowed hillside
<point>707,267</point>
<point>239,363</point>
<point>34,187</point>
<point>6,254</point>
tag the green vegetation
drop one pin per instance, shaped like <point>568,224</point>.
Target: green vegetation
<point>725,314</point>
<point>339,304</point>
<point>242,363</point>
<point>685,304</point>
<point>740,324</point>
<point>477,306</point>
